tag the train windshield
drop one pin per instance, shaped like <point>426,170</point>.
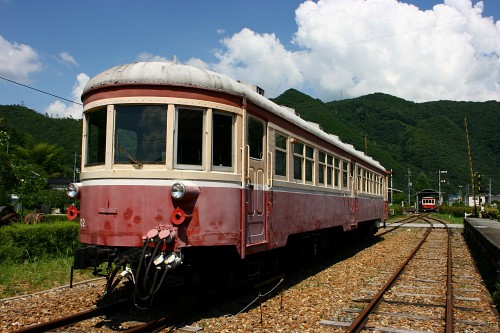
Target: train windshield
<point>140,134</point>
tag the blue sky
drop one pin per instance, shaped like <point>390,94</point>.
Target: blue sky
<point>420,50</point>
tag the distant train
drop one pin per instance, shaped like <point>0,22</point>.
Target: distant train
<point>428,204</point>
<point>186,170</point>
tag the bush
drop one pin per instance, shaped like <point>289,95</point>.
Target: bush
<point>457,211</point>
<point>21,242</point>
<point>397,209</point>
<point>490,212</point>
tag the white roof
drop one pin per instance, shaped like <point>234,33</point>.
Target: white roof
<point>167,73</point>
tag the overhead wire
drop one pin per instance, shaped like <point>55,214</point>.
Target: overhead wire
<point>41,91</point>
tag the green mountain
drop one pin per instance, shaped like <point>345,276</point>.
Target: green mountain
<point>422,138</point>
<point>27,128</point>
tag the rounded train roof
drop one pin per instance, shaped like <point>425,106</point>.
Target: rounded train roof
<point>167,73</point>
<point>163,73</point>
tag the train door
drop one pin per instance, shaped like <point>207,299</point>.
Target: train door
<point>255,191</point>
<point>351,202</point>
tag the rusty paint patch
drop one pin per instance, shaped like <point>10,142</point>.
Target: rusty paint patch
<point>159,215</point>
<point>128,214</point>
<point>137,219</point>
<point>107,225</point>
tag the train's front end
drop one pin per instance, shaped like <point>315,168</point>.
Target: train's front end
<point>159,176</point>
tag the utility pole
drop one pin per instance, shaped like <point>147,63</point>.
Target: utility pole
<point>489,201</point>
<point>409,187</point>
<point>75,168</point>
<point>472,181</point>
<point>440,200</point>
<point>392,188</point>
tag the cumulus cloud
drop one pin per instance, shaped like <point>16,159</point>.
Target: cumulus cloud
<point>259,59</point>
<point>59,109</point>
<point>18,61</point>
<point>351,48</point>
<point>67,58</point>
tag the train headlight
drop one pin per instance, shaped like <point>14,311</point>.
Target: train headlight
<point>178,191</point>
<point>73,190</point>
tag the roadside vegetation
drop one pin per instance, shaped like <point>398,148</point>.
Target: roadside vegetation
<point>38,257</point>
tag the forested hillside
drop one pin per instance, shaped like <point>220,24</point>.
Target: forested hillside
<point>420,137</point>
<point>26,128</point>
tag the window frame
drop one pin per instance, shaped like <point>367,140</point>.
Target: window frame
<point>281,150</point>
<point>183,166</point>
<point>233,125</point>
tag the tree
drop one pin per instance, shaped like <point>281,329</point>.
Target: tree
<point>31,181</point>
<point>422,182</point>
<point>46,155</point>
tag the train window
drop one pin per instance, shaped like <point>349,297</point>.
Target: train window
<point>309,161</point>
<point>222,140</point>
<point>256,138</point>
<point>329,170</point>
<point>365,181</point>
<point>189,137</point>
<point>140,133</point>
<point>298,160</point>
<point>359,179</point>
<point>321,167</point>
<point>336,178</point>
<point>96,137</point>
<point>345,170</point>
<point>280,155</point>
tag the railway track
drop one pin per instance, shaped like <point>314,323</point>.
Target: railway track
<point>415,302</point>
<point>419,296</point>
<point>400,223</point>
<point>74,318</point>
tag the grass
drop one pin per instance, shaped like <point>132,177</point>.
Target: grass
<point>29,277</point>
<point>449,218</point>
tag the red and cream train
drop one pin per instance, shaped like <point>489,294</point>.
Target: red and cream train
<point>183,166</point>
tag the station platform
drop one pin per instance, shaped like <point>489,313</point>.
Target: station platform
<point>424,225</point>
<point>484,233</point>
<point>483,239</point>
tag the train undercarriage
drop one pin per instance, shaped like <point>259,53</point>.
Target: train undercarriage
<point>152,268</point>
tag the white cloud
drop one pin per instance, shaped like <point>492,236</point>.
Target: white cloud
<point>66,57</point>
<point>145,56</point>
<point>59,109</point>
<point>18,61</point>
<point>258,59</point>
<point>357,47</point>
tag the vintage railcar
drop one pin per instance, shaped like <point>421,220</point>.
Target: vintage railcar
<point>182,166</point>
<point>428,204</point>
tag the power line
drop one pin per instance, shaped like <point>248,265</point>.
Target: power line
<point>43,92</point>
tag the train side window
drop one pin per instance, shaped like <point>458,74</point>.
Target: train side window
<point>345,170</point>
<point>336,174</point>
<point>321,167</point>
<point>140,134</point>
<point>280,155</point>
<point>298,160</point>
<point>329,174</point>
<point>256,138</point>
<point>96,137</point>
<point>189,144</point>
<point>222,140</point>
<point>309,161</point>
<point>359,179</point>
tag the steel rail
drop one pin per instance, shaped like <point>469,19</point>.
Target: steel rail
<point>358,324</point>
<point>449,316</point>
<point>74,318</point>
<point>402,222</point>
